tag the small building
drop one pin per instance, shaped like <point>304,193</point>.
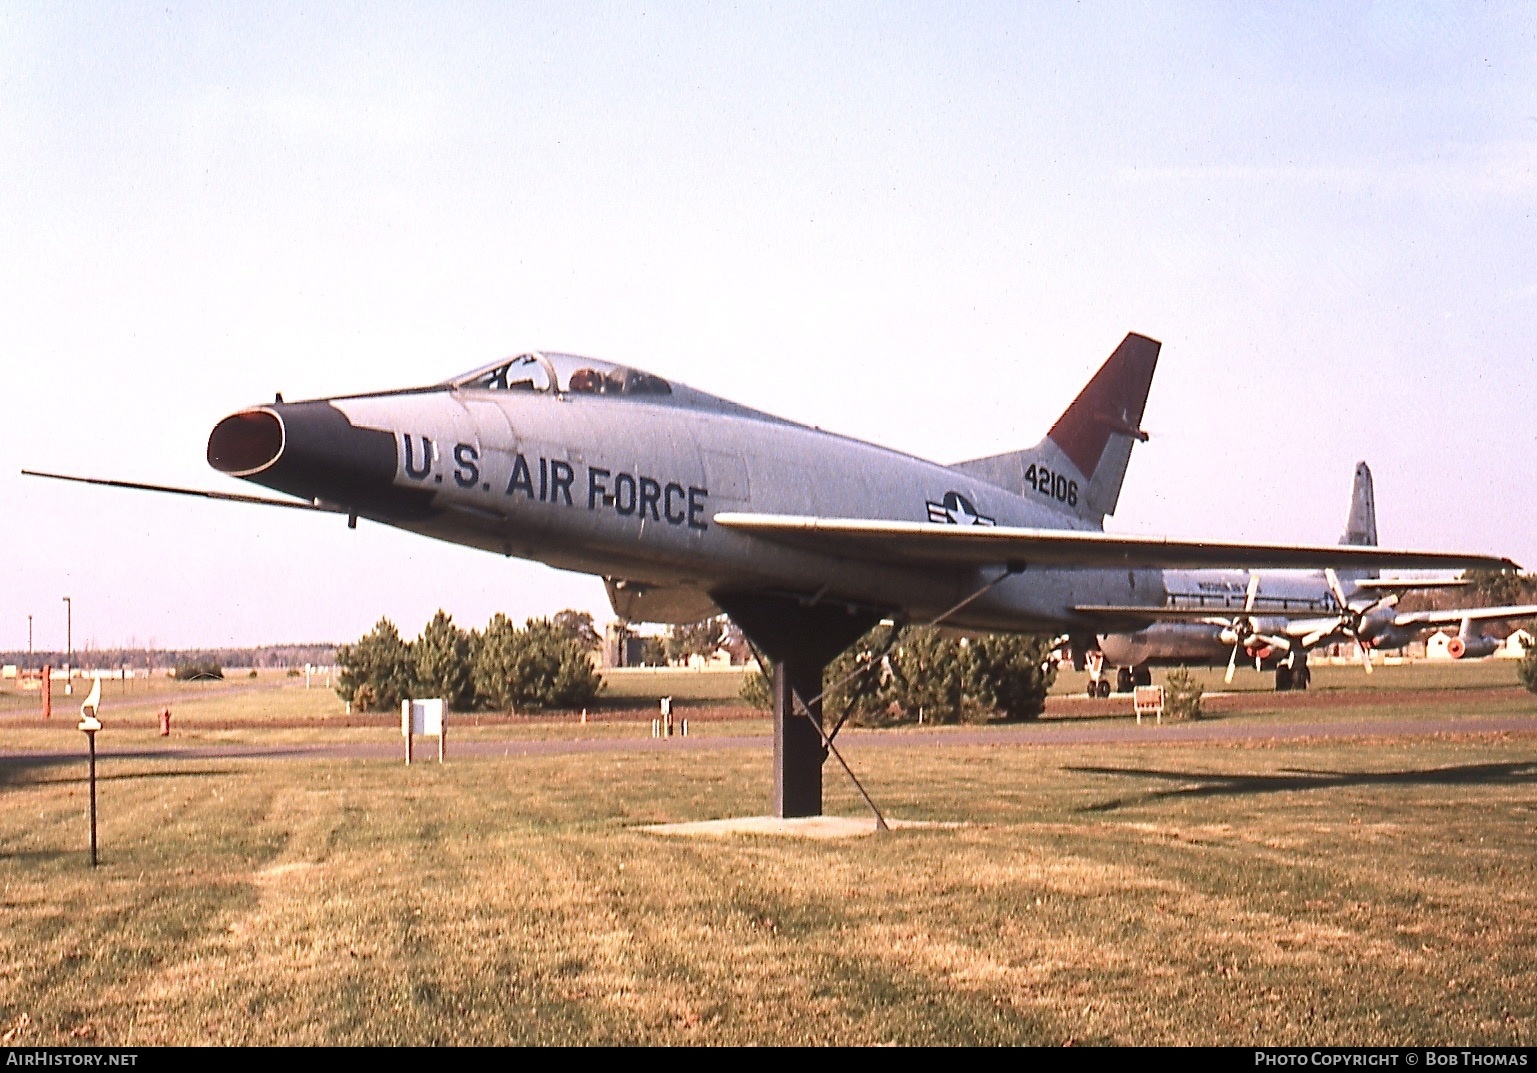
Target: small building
<point>624,646</point>
<point>1516,646</point>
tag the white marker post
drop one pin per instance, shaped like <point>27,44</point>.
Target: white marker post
<point>407,727</point>
<point>90,724</point>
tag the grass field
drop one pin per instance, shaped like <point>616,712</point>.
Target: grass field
<point>1376,890</point>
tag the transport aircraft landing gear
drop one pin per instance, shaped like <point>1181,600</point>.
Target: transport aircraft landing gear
<point>1288,676</point>
<point>1124,680</point>
<point>1128,678</point>
<point>1099,685</point>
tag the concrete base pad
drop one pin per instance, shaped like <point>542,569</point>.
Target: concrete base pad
<point>804,827</point>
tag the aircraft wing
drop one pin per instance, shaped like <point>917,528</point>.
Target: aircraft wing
<point>1455,615</point>
<point>924,543</point>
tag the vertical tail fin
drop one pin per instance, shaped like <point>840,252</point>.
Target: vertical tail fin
<point>1080,465</point>
<point>1361,524</point>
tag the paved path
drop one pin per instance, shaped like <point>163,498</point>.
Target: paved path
<point>1034,734</point>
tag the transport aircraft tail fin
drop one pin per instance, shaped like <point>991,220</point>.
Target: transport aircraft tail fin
<point>1361,524</point>
<point>1080,465</point>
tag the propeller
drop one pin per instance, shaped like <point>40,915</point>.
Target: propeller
<point>1350,619</point>
<point>1241,632</point>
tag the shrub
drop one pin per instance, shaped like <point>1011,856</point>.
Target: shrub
<point>758,687</point>
<point>939,676</point>
<point>200,670</point>
<point>1527,669</point>
<point>1181,695</point>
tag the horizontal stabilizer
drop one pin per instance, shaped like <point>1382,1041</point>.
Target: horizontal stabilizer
<point>910,543</point>
<point>1407,584</point>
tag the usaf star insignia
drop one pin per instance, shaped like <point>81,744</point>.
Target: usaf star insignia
<point>956,509</point>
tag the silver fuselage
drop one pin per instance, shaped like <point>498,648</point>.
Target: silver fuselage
<point>626,488</point>
<point>1284,602</point>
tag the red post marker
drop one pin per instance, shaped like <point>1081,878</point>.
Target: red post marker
<point>165,722</point>
<point>47,691</point>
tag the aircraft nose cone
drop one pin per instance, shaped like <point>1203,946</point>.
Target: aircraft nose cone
<point>313,450</point>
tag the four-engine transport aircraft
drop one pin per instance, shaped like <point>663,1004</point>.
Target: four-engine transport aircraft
<point>1213,614</point>
<point>686,503</point>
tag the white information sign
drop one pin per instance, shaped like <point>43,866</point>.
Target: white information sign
<point>1148,700</point>
<point>422,717</point>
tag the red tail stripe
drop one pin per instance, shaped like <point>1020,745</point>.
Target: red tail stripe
<point>1111,402</point>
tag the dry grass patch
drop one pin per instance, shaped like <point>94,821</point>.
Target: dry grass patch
<point>1353,892</point>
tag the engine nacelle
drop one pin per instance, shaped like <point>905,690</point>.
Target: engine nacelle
<point>1475,647</point>
<point>1377,626</point>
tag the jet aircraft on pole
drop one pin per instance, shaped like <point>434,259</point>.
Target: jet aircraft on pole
<point>686,504</point>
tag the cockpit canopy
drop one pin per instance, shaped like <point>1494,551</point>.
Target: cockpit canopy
<point>562,374</point>
<point>568,375</point>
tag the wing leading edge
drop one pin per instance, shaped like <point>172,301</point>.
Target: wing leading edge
<point>920,544</point>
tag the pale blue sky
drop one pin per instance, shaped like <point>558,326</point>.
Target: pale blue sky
<point>923,225</point>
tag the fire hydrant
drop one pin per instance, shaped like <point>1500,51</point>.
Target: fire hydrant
<point>165,722</point>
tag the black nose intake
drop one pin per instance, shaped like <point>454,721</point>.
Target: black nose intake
<point>313,451</point>
<point>246,443</point>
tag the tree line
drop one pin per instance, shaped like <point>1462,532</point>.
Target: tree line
<point>266,656</point>
<point>544,664</point>
<point>1485,588</point>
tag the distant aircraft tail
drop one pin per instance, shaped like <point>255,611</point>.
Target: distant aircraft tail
<point>1361,525</point>
<point>1080,465</point>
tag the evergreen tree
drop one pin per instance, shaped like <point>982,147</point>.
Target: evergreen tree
<point>442,663</point>
<point>1016,672</point>
<point>577,681</point>
<point>376,673</point>
<point>538,667</point>
<point>943,677</point>
<point>495,672</point>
